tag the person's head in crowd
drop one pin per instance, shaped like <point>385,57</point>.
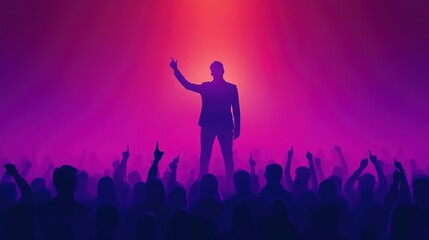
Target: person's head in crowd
<point>176,198</point>
<point>338,182</point>
<point>366,184</point>
<point>155,191</point>
<point>209,186</point>
<point>273,173</point>
<point>302,178</point>
<point>327,190</point>
<point>133,178</point>
<point>65,181</point>
<point>106,191</point>
<point>38,184</point>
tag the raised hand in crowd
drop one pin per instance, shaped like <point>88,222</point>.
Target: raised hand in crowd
<point>319,169</point>
<point>404,189</point>
<point>349,184</point>
<point>47,174</point>
<point>288,176</point>
<point>120,172</point>
<point>382,181</point>
<point>26,192</point>
<point>252,164</point>
<point>344,165</point>
<point>157,154</point>
<point>173,175</point>
<point>314,183</point>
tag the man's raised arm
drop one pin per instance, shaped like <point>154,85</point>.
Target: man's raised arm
<point>182,79</point>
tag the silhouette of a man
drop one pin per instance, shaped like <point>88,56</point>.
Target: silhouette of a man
<point>218,96</point>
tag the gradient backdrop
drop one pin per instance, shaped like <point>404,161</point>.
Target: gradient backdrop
<point>95,75</point>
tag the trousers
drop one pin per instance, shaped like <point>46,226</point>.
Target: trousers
<point>207,137</point>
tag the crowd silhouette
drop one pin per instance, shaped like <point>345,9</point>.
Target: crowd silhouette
<point>68,203</point>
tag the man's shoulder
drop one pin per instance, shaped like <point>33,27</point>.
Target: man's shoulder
<point>225,82</point>
<point>231,84</point>
<point>206,84</point>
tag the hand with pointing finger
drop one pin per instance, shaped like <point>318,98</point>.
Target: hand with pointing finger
<point>173,64</point>
<point>126,154</point>
<point>372,158</point>
<point>173,164</point>
<point>290,153</point>
<point>11,169</point>
<point>398,165</point>
<point>309,156</point>
<point>252,161</point>
<point>157,153</point>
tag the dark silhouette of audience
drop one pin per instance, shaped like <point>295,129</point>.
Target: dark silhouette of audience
<point>122,206</point>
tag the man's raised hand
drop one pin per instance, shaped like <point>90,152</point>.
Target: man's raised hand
<point>252,161</point>
<point>398,165</point>
<point>372,158</point>
<point>363,163</point>
<point>290,153</point>
<point>126,154</point>
<point>11,169</point>
<point>173,64</point>
<point>309,156</point>
<point>337,148</point>
<point>173,164</point>
<point>158,153</point>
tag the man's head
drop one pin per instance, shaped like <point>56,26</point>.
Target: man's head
<point>302,174</point>
<point>366,183</point>
<point>209,186</point>
<point>65,180</point>
<point>327,190</point>
<point>273,173</point>
<point>217,69</point>
<point>338,182</point>
<point>302,178</point>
